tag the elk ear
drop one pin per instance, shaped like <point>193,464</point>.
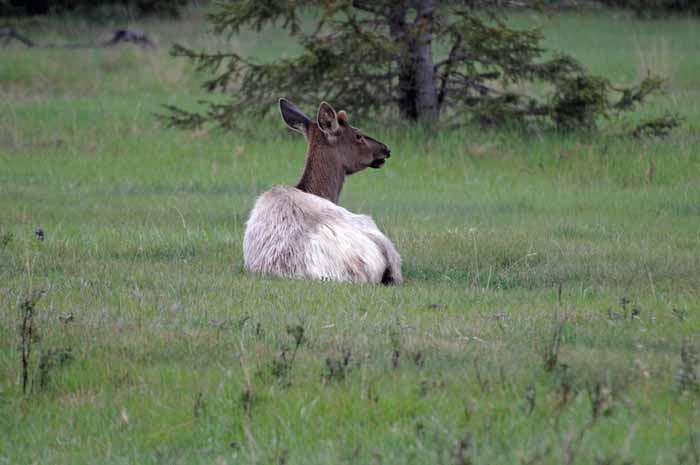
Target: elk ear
<point>327,118</point>
<point>294,117</point>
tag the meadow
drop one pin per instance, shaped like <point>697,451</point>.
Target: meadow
<point>550,315</point>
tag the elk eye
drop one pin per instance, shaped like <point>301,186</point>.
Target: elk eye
<point>358,137</point>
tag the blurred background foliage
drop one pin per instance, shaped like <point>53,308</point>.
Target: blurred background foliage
<point>645,8</point>
<point>94,9</point>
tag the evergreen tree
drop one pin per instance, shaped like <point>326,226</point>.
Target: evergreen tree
<point>379,55</point>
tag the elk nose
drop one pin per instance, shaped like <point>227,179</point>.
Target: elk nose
<point>387,151</point>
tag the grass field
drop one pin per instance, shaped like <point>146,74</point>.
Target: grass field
<point>552,282</point>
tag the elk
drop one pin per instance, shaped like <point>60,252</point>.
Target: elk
<point>300,231</point>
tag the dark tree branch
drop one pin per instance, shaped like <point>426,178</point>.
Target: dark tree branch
<point>126,36</point>
<point>448,66</point>
<point>454,58</point>
<point>9,34</point>
<point>120,36</point>
<point>370,6</point>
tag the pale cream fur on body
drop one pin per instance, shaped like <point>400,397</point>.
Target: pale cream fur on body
<point>294,234</point>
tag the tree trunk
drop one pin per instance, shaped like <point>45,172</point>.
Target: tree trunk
<point>407,85</point>
<point>426,90</point>
<point>417,91</point>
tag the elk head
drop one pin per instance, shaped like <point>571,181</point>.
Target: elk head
<point>332,137</point>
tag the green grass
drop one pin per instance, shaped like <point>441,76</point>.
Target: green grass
<point>176,352</point>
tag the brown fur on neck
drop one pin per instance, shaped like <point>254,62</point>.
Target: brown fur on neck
<point>323,173</point>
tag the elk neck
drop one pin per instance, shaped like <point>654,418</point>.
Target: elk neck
<point>323,174</point>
